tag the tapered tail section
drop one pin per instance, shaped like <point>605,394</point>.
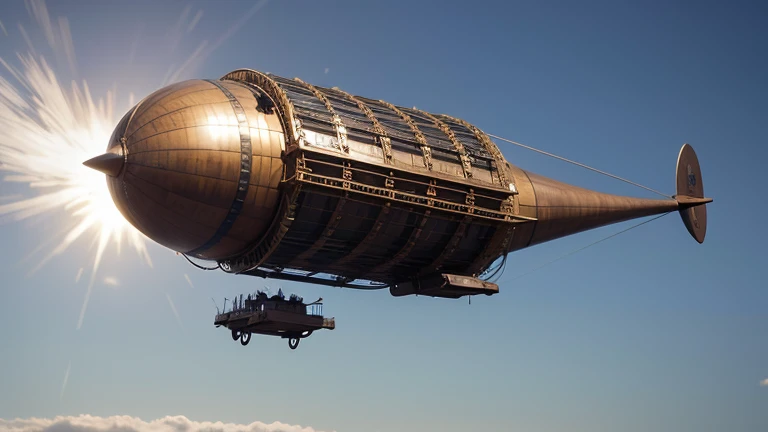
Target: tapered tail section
<point>690,193</point>
<point>562,209</point>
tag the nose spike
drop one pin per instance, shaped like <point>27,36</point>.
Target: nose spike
<point>110,163</point>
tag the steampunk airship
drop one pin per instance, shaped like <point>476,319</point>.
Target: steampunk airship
<point>278,178</point>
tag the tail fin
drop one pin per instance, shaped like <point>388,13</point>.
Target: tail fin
<point>690,193</point>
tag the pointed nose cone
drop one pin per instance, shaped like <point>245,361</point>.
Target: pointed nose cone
<point>110,163</point>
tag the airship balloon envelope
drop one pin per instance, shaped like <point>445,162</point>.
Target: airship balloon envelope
<point>275,177</point>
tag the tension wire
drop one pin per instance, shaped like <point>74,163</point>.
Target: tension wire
<point>199,266</point>
<point>589,245</point>
<point>578,164</point>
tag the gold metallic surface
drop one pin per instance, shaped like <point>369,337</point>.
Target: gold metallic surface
<point>283,106</point>
<point>278,178</point>
<point>110,163</point>
<point>563,209</point>
<point>183,162</point>
<point>491,148</point>
<point>425,150</point>
<point>338,125</point>
<point>381,134</point>
<point>466,166</point>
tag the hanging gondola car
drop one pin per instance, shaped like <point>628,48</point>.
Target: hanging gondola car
<point>274,316</point>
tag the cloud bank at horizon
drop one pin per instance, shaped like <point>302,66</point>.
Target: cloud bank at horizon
<point>88,423</point>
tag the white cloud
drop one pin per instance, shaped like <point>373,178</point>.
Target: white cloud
<point>327,70</point>
<point>111,281</point>
<point>88,423</point>
<point>764,382</point>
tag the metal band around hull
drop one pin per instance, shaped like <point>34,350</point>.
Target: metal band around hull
<point>369,239</point>
<point>345,129</point>
<point>284,106</point>
<point>498,158</point>
<point>425,148</point>
<point>466,165</point>
<point>453,244</point>
<point>245,172</point>
<point>386,267</point>
<point>333,223</point>
<point>338,126</point>
<point>386,145</point>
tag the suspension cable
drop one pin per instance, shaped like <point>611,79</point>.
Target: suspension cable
<point>589,245</point>
<point>578,164</point>
<point>199,266</point>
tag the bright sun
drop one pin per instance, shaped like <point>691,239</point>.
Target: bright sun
<point>46,133</point>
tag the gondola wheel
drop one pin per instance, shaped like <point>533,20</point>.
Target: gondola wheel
<point>235,335</point>
<point>245,337</point>
<point>293,343</point>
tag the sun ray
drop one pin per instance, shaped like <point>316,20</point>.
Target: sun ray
<point>46,132</point>
<point>50,122</point>
<point>64,382</point>
<point>173,309</point>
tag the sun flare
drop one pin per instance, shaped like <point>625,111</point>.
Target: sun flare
<point>46,132</point>
<point>49,127</point>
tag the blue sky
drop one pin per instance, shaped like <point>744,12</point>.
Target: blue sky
<point>646,331</point>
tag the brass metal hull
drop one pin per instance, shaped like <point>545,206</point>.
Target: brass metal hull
<point>201,175</point>
<point>278,178</point>
<point>563,209</point>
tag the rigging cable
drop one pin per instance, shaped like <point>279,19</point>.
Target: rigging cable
<point>502,265</point>
<point>589,245</point>
<point>578,164</point>
<point>218,266</point>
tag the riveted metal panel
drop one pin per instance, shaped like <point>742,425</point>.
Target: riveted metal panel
<point>381,191</point>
